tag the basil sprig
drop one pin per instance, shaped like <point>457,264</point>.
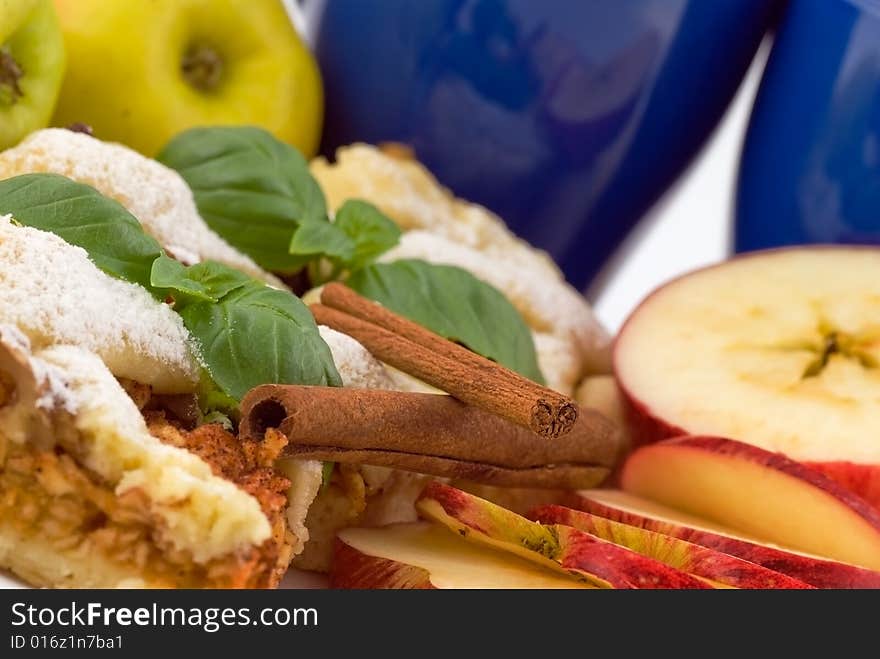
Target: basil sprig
<point>251,188</point>
<point>247,333</point>
<point>258,193</point>
<point>208,281</point>
<point>256,335</point>
<point>359,234</point>
<point>453,303</point>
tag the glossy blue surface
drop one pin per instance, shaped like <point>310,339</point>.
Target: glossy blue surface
<point>810,171</point>
<point>567,117</point>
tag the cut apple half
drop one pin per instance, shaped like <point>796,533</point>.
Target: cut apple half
<point>580,554</point>
<point>422,556</point>
<point>717,567</point>
<point>780,349</point>
<point>762,494</point>
<point>619,506</point>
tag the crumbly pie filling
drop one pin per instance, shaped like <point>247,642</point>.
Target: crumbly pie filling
<point>46,495</point>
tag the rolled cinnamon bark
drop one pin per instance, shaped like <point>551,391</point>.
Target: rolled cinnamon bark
<point>411,348</point>
<point>429,433</point>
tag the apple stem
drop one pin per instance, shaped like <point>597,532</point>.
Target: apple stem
<point>80,127</point>
<point>202,67</point>
<point>10,75</point>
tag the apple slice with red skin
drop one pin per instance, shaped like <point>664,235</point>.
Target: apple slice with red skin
<point>560,547</point>
<point>864,480</point>
<point>717,567</point>
<point>779,349</point>
<point>619,506</point>
<point>762,494</point>
<point>423,556</point>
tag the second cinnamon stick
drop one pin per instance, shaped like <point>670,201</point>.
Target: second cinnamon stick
<point>411,348</point>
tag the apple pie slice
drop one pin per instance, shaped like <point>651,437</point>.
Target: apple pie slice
<point>89,497</point>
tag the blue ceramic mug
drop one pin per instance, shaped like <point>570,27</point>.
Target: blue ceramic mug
<point>567,117</point>
<point>810,171</point>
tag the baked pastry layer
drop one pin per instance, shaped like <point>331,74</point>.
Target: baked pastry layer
<point>53,293</point>
<point>83,478</point>
<point>156,195</point>
<point>60,526</point>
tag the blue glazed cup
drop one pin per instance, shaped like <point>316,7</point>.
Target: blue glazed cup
<point>567,117</point>
<point>810,171</point>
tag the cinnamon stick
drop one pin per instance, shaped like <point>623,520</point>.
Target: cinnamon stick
<point>444,364</point>
<point>428,433</point>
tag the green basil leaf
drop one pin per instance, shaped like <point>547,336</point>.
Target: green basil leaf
<point>455,304</point>
<point>259,335</point>
<point>211,398</point>
<point>172,275</point>
<point>358,236</point>
<point>371,232</point>
<point>314,239</point>
<point>208,280</point>
<point>248,333</point>
<point>82,216</point>
<point>251,188</point>
<point>218,279</point>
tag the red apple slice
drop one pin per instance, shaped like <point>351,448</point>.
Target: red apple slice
<point>421,556</point>
<point>780,349</point>
<point>718,567</point>
<point>762,494</point>
<point>626,508</point>
<point>560,547</point>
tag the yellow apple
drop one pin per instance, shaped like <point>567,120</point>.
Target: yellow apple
<point>140,71</point>
<point>31,67</point>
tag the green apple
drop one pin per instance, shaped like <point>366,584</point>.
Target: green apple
<point>31,67</point>
<point>141,71</point>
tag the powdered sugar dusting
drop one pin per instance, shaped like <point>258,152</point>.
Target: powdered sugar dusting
<point>408,193</point>
<point>54,294</point>
<point>11,335</point>
<point>357,367</point>
<point>156,195</point>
